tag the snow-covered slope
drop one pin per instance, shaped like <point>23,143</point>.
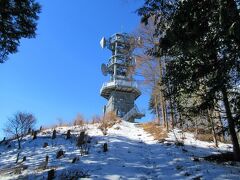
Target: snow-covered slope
<point>132,154</point>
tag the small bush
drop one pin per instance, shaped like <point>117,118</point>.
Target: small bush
<point>82,140</point>
<point>108,121</point>
<point>79,120</point>
<point>96,119</point>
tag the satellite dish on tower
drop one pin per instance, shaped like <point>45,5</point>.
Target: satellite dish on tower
<point>103,42</point>
<point>104,69</point>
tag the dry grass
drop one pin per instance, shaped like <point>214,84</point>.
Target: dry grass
<point>79,120</point>
<point>203,134</point>
<point>158,132</point>
<point>205,137</point>
<point>96,119</point>
<point>109,121</point>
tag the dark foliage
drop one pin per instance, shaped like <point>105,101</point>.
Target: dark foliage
<point>203,40</point>
<point>18,19</point>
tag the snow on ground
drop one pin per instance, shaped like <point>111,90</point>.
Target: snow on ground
<point>133,154</point>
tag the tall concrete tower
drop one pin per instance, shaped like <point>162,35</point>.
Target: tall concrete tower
<point>121,91</point>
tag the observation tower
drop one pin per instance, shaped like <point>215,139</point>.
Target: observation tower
<point>121,91</point>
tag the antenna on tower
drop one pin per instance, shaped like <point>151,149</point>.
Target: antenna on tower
<point>103,42</point>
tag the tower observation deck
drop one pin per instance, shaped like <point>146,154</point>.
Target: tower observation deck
<point>121,91</point>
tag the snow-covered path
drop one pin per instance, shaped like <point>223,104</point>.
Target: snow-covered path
<point>132,154</point>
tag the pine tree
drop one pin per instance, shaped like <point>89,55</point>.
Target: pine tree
<point>203,38</point>
<point>18,19</point>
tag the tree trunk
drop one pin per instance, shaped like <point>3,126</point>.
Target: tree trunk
<point>161,93</point>
<point>171,113</point>
<point>231,125</point>
<point>196,129</point>
<point>165,114</point>
<point>157,111</point>
<point>180,122</point>
<point>19,141</point>
<point>210,119</point>
<point>221,124</point>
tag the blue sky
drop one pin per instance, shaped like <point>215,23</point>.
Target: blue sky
<point>57,74</point>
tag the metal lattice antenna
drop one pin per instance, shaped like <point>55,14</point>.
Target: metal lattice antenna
<point>122,90</point>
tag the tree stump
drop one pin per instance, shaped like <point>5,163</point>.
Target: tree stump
<point>51,174</point>
<point>24,158</point>
<point>75,160</point>
<point>54,135</point>
<point>68,134</point>
<point>34,135</point>
<point>45,145</point>
<point>4,139</point>
<point>29,130</point>
<point>60,153</point>
<point>46,162</point>
<point>105,147</point>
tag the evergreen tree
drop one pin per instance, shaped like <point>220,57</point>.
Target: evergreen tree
<point>203,37</point>
<point>18,19</point>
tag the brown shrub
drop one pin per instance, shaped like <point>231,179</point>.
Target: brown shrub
<point>205,137</point>
<point>82,143</point>
<point>158,132</point>
<point>96,119</point>
<point>203,134</point>
<point>79,120</point>
<point>109,120</point>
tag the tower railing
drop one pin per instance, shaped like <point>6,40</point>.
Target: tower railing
<point>134,112</point>
<point>120,83</point>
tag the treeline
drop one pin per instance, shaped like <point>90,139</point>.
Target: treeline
<point>191,59</point>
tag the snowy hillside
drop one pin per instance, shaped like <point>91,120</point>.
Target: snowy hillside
<point>132,154</point>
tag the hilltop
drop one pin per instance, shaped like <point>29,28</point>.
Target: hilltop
<point>131,153</point>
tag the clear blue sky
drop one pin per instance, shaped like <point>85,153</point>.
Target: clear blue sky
<point>57,74</point>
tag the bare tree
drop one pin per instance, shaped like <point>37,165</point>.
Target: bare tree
<point>152,67</point>
<point>18,125</point>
